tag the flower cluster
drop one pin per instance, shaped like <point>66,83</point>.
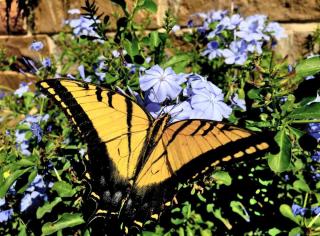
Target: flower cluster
<point>183,96</point>
<point>248,35</point>
<point>35,193</point>
<point>5,215</point>
<point>29,124</point>
<point>81,25</point>
<point>314,130</point>
<point>298,210</point>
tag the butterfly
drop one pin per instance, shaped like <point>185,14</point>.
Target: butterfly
<point>134,162</point>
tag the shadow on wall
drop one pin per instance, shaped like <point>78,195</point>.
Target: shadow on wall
<point>25,8</point>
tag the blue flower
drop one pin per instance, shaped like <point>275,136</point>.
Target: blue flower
<point>190,23</point>
<point>82,26</point>
<point>46,62</point>
<point>82,151</point>
<point>36,46</point>
<point>236,54</point>
<point>213,16</point>
<point>298,210</point>
<point>315,173</point>
<point>232,22</point>
<point>255,46</point>
<point>74,11</point>
<point>175,28</point>
<point>252,28</point>
<point>180,111</point>
<point>212,50</point>
<point>23,88</point>
<point>315,210</point>
<point>101,69</point>
<point>83,75</point>
<point>115,53</point>
<point>314,130</point>
<point>20,136</point>
<point>162,84</point>
<point>2,94</point>
<point>316,156</point>
<point>155,109</point>
<point>276,30</point>
<point>235,100</point>
<point>22,143</point>
<point>34,194</point>
<point>6,215</point>
<point>2,201</point>
<point>36,131</point>
<point>209,106</point>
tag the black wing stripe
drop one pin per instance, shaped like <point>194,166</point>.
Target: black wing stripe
<point>184,125</point>
<point>129,125</point>
<point>211,126</point>
<point>202,124</point>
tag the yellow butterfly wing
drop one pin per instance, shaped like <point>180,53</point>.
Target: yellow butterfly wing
<point>190,147</point>
<point>105,119</point>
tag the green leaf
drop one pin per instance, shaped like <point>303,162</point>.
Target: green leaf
<point>200,197</point>
<point>31,177</point>
<point>217,214</point>
<point>13,175</point>
<point>274,231</point>
<point>63,189</point>
<point>308,67</point>
<point>131,47</point>
<point>254,94</point>
<point>296,132</point>
<point>65,221</point>
<point>154,39</point>
<point>148,5</point>
<point>308,112</point>
<point>286,211</point>
<point>280,162</point>
<point>47,207</point>
<point>222,177</point>
<point>301,185</point>
<point>177,60</point>
<point>238,208</point>
<point>296,231</point>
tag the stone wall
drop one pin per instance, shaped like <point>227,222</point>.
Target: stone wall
<point>45,19</point>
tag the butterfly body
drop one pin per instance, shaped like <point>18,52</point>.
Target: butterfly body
<point>135,161</point>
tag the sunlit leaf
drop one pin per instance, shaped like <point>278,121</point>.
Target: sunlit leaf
<point>47,207</point>
<point>280,162</point>
<point>65,221</point>
<point>287,212</point>
<point>64,189</point>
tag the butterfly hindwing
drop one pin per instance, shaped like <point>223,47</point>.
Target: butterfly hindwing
<point>190,147</point>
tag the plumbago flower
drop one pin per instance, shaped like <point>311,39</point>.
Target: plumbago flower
<point>236,54</point>
<point>83,26</point>
<point>212,50</point>
<point>36,46</point>
<point>235,38</point>
<point>200,99</point>
<point>23,88</point>
<point>30,123</point>
<point>35,193</point>
<point>161,84</point>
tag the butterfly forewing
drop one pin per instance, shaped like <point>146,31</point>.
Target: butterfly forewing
<point>103,116</point>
